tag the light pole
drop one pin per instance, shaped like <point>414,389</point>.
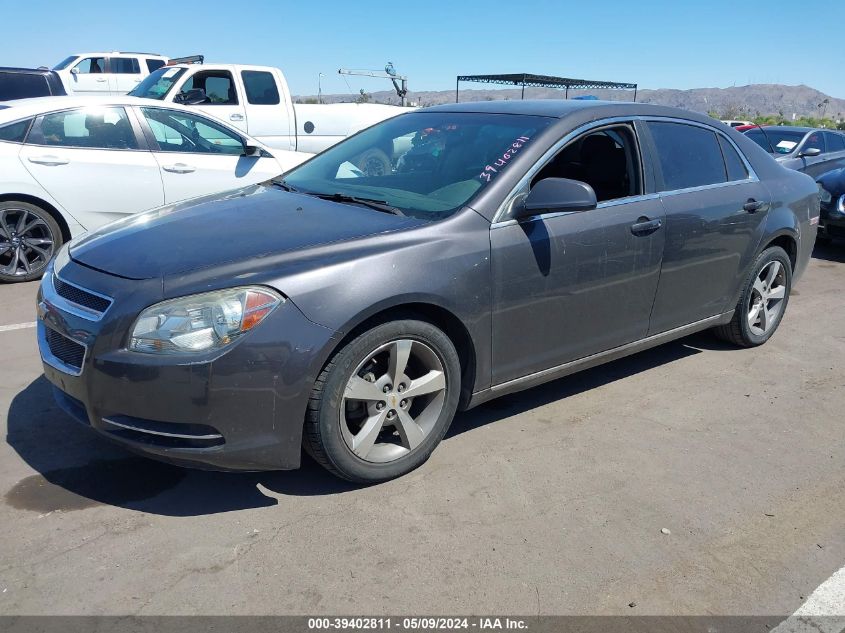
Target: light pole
<point>320,87</point>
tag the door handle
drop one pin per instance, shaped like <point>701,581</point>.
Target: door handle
<point>101,81</point>
<point>179,168</point>
<point>236,117</point>
<point>753,206</point>
<point>644,226</point>
<point>50,161</point>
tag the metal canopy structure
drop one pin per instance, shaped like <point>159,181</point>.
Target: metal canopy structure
<point>543,81</point>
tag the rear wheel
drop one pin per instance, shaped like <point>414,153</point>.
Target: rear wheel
<point>384,402</point>
<point>29,237</point>
<point>763,301</point>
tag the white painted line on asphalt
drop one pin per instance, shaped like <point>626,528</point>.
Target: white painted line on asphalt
<point>16,326</point>
<point>823,611</point>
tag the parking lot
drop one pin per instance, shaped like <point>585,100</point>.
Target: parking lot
<point>552,501</point>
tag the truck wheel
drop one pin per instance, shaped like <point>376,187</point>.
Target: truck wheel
<point>763,301</point>
<point>29,237</point>
<point>374,162</point>
<point>383,402</point>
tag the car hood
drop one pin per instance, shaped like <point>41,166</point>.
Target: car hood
<point>250,223</point>
<point>833,181</point>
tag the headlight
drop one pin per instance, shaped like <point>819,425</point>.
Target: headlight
<point>202,322</point>
<point>840,204</point>
<point>824,194</point>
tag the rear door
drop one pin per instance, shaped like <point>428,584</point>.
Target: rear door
<point>124,74</point>
<point>91,161</point>
<point>198,156</point>
<point>267,115</point>
<point>715,215</point>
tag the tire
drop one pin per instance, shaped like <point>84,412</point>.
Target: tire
<point>374,162</point>
<point>751,324</point>
<point>354,437</point>
<point>29,238</point>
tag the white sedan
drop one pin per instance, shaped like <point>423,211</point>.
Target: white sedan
<point>71,164</point>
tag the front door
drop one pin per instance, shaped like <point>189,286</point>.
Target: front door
<point>197,156</point>
<point>89,77</point>
<point>569,285</point>
<point>223,103</point>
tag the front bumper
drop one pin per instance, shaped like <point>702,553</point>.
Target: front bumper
<point>242,409</point>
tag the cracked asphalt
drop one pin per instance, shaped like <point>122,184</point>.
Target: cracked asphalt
<point>551,501</point>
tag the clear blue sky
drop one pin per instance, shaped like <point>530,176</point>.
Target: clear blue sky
<point>657,44</point>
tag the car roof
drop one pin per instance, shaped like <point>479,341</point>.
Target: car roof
<point>793,128</point>
<point>563,108</point>
<point>108,53</point>
<point>24,108</point>
<point>15,70</point>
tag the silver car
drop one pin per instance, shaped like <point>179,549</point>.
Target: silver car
<point>805,149</point>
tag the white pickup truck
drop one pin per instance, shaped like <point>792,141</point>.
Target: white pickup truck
<point>257,100</point>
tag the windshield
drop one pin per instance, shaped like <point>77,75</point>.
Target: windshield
<point>425,164</point>
<point>65,62</point>
<point>157,84</point>
<point>776,141</point>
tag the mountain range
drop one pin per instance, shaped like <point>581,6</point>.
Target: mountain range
<point>736,102</point>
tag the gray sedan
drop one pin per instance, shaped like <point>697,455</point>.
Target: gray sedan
<point>510,243</point>
<point>809,150</point>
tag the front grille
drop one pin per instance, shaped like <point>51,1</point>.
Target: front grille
<point>66,350</point>
<point>81,297</point>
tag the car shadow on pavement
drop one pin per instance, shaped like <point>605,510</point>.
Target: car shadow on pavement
<point>830,251</point>
<point>76,468</point>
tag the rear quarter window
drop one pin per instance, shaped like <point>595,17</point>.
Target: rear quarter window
<point>735,167</point>
<point>154,64</point>
<point>23,86</point>
<point>15,132</point>
<point>688,156</point>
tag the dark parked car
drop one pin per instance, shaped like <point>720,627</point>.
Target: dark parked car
<point>24,83</point>
<point>809,150</point>
<point>832,190</point>
<point>356,314</point>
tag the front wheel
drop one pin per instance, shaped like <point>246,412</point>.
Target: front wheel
<point>763,301</point>
<point>29,237</point>
<point>384,402</point>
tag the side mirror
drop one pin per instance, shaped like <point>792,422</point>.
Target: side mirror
<point>810,152</point>
<point>194,96</point>
<point>74,71</point>
<point>556,194</point>
<point>251,150</point>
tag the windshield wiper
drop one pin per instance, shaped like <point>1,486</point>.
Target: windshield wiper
<point>281,183</point>
<point>378,205</point>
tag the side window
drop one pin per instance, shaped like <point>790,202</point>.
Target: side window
<point>15,132</point>
<point>814,140</point>
<point>688,156</point>
<point>260,87</point>
<point>124,66</point>
<point>176,131</point>
<point>219,86</point>
<point>607,160</point>
<point>154,64</point>
<point>91,65</point>
<point>835,142</point>
<point>736,168</point>
<point>92,128</point>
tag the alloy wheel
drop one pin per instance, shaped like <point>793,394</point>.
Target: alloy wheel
<point>765,302</point>
<point>393,400</point>
<point>26,242</point>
